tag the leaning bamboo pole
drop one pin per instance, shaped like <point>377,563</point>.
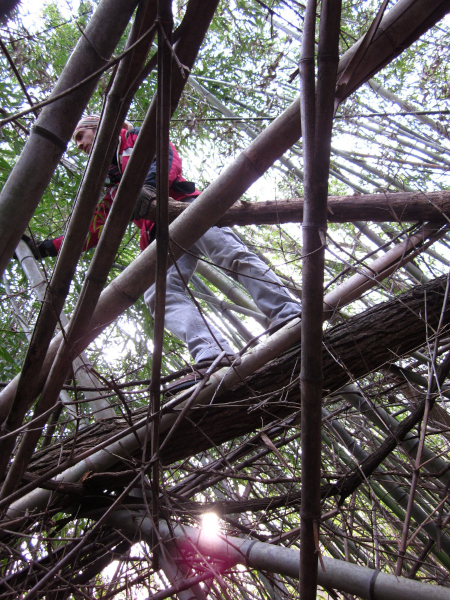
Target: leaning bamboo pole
<point>99,407</point>
<point>54,126</point>
<point>413,271</point>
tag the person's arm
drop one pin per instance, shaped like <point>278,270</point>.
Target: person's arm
<point>40,249</point>
<point>98,222</point>
<point>51,247</point>
<point>174,168</point>
<point>180,189</point>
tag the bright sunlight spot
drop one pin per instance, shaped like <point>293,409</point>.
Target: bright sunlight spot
<point>210,524</point>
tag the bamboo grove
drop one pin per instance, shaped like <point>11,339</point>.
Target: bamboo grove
<point>319,130</point>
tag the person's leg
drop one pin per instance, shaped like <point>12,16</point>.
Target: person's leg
<point>182,317</point>
<point>226,250</point>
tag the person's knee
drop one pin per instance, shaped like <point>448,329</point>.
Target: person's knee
<point>175,284</point>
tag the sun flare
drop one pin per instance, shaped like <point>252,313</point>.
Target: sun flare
<point>210,524</point>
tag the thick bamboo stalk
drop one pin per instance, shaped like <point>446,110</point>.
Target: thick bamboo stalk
<point>317,109</point>
<point>402,25</point>
<point>400,207</point>
<point>314,232</point>
<point>56,123</point>
<point>343,576</point>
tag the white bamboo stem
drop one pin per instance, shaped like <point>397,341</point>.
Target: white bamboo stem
<point>100,407</point>
<point>339,575</point>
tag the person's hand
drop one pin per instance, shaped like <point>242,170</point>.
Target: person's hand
<point>40,249</point>
<point>145,198</point>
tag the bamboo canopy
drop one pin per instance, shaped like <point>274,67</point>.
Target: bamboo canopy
<point>322,453</point>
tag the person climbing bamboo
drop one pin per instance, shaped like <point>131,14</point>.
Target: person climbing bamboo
<point>219,244</point>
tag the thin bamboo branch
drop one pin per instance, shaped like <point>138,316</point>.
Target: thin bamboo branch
<point>165,26</point>
<point>429,401</point>
<point>18,77</point>
<point>383,420</point>
<point>224,310</point>
<point>423,151</point>
<point>406,106</point>
<point>388,484</point>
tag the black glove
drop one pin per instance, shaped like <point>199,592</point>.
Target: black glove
<point>145,198</point>
<point>40,249</point>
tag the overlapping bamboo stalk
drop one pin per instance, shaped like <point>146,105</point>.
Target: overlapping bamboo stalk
<point>56,123</point>
<point>370,275</point>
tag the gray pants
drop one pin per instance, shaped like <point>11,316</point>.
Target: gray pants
<point>223,248</point>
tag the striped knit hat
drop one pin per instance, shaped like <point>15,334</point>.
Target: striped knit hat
<point>89,122</point>
<point>92,121</point>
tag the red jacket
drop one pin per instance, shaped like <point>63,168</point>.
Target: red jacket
<point>178,190</point>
